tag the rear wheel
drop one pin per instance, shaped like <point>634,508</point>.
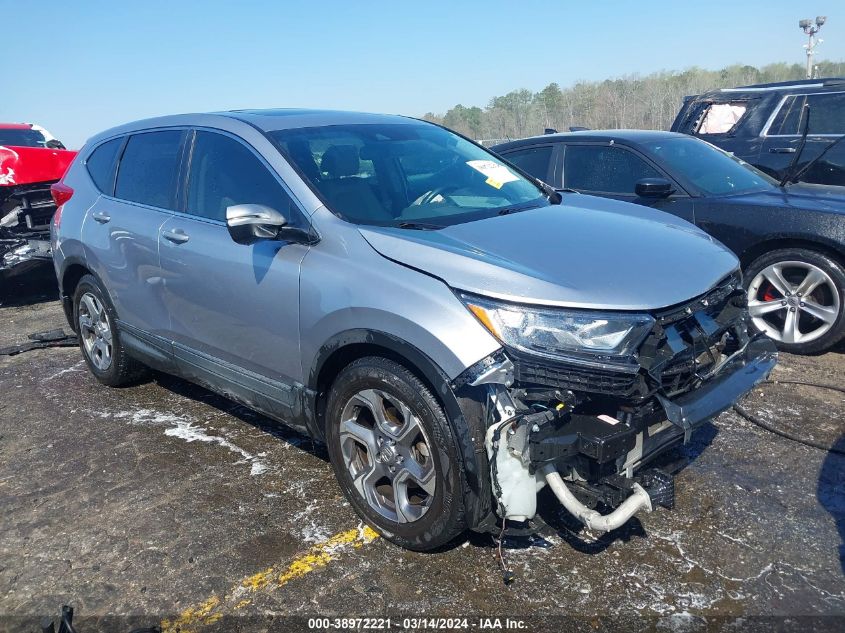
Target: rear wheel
<point>394,454</point>
<point>99,339</point>
<point>796,297</point>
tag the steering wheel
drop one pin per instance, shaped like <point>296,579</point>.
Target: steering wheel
<point>426,198</point>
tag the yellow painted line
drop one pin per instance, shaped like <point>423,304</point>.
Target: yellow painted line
<point>318,556</point>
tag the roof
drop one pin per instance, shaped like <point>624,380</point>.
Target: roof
<point>15,126</point>
<point>629,136</point>
<point>263,120</point>
<point>290,118</point>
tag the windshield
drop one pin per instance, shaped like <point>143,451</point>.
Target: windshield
<point>407,175</point>
<point>709,168</point>
<point>21,137</point>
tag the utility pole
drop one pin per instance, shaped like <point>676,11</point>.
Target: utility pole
<point>811,29</point>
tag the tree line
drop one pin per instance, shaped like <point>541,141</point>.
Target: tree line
<point>632,101</point>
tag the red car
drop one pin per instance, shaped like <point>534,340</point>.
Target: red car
<point>30,161</point>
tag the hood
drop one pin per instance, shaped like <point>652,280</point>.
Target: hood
<point>30,165</point>
<point>587,252</point>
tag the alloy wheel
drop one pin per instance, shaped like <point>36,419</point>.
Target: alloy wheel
<point>388,455</point>
<point>95,331</point>
<point>793,302</point>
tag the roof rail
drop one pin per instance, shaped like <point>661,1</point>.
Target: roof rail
<point>787,85</point>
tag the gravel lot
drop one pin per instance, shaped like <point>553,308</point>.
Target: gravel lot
<point>165,504</point>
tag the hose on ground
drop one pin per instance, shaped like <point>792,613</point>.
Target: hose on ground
<point>744,413</point>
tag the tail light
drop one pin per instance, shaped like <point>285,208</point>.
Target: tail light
<point>61,193</point>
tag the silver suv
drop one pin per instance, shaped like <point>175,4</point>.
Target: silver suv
<point>459,334</point>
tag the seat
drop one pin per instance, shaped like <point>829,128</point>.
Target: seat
<point>345,190</point>
<point>300,152</point>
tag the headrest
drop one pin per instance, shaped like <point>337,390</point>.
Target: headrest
<point>340,160</point>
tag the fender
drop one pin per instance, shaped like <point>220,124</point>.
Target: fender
<point>463,409</point>
<point>67,300</point>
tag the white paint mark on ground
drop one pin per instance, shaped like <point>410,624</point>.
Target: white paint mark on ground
<point>67,370</point>
<point>184,428</point>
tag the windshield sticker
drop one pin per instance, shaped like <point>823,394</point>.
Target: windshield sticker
<point>497,175</point>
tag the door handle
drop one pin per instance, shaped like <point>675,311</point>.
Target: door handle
<point>782,150</point>
<point>177,236</point>
<point>101,216</point>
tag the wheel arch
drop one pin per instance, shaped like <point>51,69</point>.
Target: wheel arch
<point>73,271</point>
<point>346,347</point>
<point>831,249</point>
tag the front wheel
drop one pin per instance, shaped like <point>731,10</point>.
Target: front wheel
<point>795,296</point>
<point>394,454</point>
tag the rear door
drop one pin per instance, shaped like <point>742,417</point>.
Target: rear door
<point>612,171</point>
<point>234,308</point>
<point>120,231</point>
<point>782,138</point>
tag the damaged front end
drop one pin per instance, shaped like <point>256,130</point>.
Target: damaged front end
<point>590,429</point>
<point>27,173</point>
<point>25,215</point>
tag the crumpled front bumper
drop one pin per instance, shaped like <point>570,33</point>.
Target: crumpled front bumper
<point>612,446</point>
<point>737,376</point>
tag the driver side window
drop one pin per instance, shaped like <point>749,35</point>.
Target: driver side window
<point>224,172</point>
<point>604,169</point>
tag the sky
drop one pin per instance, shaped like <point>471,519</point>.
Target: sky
<point>81,67</point>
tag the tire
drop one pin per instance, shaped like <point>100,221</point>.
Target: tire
<point>418,506</point>
<point>99,338</point>
<point>797,297</point>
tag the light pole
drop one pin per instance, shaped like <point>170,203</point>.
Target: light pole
<point>811,29</point>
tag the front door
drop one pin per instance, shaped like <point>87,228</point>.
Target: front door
<point>234,308</point>
<point>612,171</point>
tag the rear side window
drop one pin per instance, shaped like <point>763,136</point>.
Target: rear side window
<point>100,165</point>
<point>721,118</point>
<point>532,160</point>
<point>224,172</point>
<point>149,168</point>
<point>604,169</point>
<point>827,115</point>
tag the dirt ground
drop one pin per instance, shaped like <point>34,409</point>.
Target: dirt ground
<point>165,504</point>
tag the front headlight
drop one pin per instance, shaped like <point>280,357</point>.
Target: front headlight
<point>561,333</point>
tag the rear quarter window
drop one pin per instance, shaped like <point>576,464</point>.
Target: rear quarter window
<point>101,163</point>
<point>149,168</point>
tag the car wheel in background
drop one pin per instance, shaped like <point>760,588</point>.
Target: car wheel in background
<point>796,296</point>
<point>394,454</point>
<point>99,339</point>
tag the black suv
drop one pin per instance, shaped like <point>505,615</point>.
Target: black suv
<point>764,124</point>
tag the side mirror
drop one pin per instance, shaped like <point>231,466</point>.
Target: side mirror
<point>248,223</point>
<point>55,143</point>
<point>654,188</point>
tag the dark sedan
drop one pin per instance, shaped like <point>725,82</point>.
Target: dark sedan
<point>790,239</point>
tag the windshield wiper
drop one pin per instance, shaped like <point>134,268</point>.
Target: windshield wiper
<point>551,193</point>
<point>509,210</point>
<point>787,175</point>
<point>806,167</point>
<point>419,226</point>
